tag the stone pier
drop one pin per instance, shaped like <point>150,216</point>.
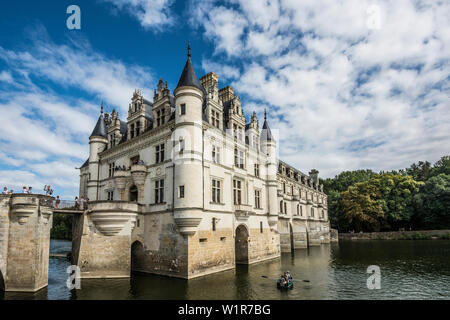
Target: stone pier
<point>25,223</point>
<point>101,239</point>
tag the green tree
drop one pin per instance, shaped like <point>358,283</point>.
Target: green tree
<point>420,171</point>
<point>397,197</point>
<point>62,227</point>
<point>433,203</point>
<point>441,166</point>
<point>382,203</point>
<point>361,208</point>
<point>340,183</point>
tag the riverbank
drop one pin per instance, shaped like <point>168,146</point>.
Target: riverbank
<point>397,235</point>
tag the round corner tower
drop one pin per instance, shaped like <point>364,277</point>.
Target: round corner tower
<point>188,151</point>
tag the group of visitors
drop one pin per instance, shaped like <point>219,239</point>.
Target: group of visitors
<point>123,168</point>
<point>81,203</point>
<point>25,190</point>
<point>6,191</point>
<point>48,190</point>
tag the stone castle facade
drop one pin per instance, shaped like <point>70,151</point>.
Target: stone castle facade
<point>191,187</point>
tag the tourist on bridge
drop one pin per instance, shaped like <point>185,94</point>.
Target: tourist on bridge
<point>77,203</point>
<point>30,190</point>
<point>24,190</point>
<point>5,190</point>
<point>57,202</point>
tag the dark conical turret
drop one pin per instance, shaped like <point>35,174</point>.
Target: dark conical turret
<point>188,76</point>
<point>100,127</point>
<point>266,134</point>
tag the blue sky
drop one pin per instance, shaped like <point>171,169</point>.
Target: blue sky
<point>349,84</point>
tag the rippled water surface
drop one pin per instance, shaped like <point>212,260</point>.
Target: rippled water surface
<point>409,270</point>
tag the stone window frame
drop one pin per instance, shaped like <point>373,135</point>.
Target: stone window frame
<point>238,190</point>
<point>216,188</point>
<point>159,191</point>
<point>239,158</point>
<point>110,195</point>
<point>215,154</point>
<point>256,169</point>
<point>181,192</point>
<point>258,194</point>
<point>182,109</point>
<point>111,167</point>
<point>160,153</point>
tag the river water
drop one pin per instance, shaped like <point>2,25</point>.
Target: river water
<point>410,269</point>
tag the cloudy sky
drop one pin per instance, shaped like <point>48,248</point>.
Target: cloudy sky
<point>349,84</point>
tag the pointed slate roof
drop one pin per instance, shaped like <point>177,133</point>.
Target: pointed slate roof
<point>188,76</point>
<point>266,134</point>
<point>100,127</point>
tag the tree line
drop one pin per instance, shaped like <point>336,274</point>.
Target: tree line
<point>417,197</point>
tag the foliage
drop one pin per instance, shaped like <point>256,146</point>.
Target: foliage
<point>415,197</point>
<point>433,203</point>
<point>340,183</point>
<point>62,227</point>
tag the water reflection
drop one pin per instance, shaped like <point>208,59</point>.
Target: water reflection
<point>409,270</point>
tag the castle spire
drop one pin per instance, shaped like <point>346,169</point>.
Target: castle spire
<point>188,76</point>
<point>266,134</point>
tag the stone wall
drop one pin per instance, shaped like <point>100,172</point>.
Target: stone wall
<point>4,234</point>
<point>165,250</point>
<point>210,251</point>
<point>263,245</point>
<point>395,235</point>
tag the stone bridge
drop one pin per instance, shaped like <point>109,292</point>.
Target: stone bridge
<point>101,239</point>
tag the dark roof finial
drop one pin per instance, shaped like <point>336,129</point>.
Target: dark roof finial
<point>265,114</point>
<point>189,48</point>
<point>101,108</point>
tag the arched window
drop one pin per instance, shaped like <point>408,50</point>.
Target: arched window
<point>298,209</point>
<point>285,208</point>
<point>281,206</point>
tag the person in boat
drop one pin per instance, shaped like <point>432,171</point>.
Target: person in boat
<point>283,281</point>
<point>288,274</point>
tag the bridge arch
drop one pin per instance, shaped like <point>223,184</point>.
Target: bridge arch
<point>137,256</point>
<point>241,244</point>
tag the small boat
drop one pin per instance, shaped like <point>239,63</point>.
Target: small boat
<point>286,286</point>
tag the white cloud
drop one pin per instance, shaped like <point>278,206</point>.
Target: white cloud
<point>343,95</point>
<point>152,14</point>
<point>45,131</point>
<point>6,76</point>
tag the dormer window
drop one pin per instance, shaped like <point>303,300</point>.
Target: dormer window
<point>215,119</point>
<point>160,117</point>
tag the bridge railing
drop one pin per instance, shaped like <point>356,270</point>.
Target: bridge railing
<point>65,204</point>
